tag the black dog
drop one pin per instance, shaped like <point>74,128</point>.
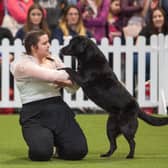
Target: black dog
<point>101,85</point>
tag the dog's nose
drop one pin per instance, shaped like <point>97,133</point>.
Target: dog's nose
<point>62,51</point>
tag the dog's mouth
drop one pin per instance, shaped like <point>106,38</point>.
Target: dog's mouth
<point>62,52</point>
<point>65,51</point>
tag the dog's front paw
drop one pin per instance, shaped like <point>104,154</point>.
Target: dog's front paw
<point>68,70</point>
<point>65,68</point>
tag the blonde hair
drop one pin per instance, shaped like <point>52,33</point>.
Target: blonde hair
<point>80,29</point>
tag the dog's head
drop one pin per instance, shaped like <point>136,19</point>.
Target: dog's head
<point>84,50</point>
<point>76,46</point>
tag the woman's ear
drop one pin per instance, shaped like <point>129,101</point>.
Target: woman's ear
<point>33,48</point>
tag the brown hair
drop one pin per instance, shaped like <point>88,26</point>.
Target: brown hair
<point>165,25</point>
<point>43,24</point>
<point>110,13</point>
<point>32,39</point>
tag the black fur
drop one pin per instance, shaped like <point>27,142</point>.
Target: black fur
<point>101,85</point>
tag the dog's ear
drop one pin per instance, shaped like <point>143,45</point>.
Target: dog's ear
<point>83,44</point>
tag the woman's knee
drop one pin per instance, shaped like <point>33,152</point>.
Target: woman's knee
<point>40,154</point>
<point>73,152</point>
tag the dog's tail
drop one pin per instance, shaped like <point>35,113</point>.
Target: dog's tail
<point>152,120</point>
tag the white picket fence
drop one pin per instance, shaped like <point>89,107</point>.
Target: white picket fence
<point>158,50</point>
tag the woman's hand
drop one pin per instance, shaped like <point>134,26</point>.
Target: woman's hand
<point>64,83</point>
<point>86,15</point>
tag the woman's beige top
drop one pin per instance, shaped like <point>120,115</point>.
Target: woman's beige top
<point>36,81</point>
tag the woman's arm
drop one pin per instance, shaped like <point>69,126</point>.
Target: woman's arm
<point>30,69</point>
<point>128,9</point>
<point>101,18</point>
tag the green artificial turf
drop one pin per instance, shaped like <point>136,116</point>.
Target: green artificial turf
<point>151,146</point>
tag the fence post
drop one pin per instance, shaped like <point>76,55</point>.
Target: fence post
<point>116,49</point>
<point>163,68</point>
<point>141,70</point>
<point>153,49</point>
<point>5,70</point>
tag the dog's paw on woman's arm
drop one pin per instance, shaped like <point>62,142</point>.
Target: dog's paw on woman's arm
<point>72,89</point>
<point>70,71</point>
<point>65,68</point>
<point>65,83</point>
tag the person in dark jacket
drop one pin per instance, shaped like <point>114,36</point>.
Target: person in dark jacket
<point>158,24</point>
<point>71,24</point>
<point>35,21</point>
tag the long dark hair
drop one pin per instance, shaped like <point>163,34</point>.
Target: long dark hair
<point>32,39</point>
<point>153,29</point>
<point>43,24</point>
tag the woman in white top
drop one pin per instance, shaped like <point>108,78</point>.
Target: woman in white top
<point>46,120</point>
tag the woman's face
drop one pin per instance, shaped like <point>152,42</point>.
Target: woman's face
<point>115,7</point>
<point>43,45</point>
<point>36,16</point>
<point>72,17</point>
<point>158,19</point>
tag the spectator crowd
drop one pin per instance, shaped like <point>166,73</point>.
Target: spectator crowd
<point>93,18</point>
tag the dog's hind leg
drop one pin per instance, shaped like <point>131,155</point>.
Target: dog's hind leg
<point>112,133</point>
<point>129,131</point>
<point>131,142</point>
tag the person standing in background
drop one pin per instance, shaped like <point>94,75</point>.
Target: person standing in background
<point>113,27</point>
<point>129,8</point>
<point>94,14</point>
